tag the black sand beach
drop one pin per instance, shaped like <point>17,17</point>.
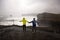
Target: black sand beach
<point>16,33</point>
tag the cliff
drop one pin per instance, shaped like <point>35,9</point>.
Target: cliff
<point>48,19</point>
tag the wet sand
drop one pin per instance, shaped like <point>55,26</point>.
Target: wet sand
<point>16,33</point>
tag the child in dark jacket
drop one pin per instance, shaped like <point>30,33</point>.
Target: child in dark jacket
<point>33,25</point>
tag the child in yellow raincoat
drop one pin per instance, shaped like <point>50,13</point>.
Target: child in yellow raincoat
<point>24,21</point>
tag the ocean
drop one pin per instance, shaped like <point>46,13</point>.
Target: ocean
<point>15,20</point>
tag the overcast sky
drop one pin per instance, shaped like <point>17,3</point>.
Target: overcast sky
<point>19,7</point>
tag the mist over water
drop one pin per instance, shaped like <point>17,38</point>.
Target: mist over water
<point>9,20</point>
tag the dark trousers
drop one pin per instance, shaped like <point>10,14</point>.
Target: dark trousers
<point>33,29</point>
<point>24,28</point>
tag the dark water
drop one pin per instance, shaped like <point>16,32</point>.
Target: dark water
<point>16,33</point>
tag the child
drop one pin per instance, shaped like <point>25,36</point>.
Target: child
<point>34,25</point>
<point>24,21</point>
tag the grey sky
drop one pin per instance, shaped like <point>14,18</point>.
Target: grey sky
<point>19,7</point>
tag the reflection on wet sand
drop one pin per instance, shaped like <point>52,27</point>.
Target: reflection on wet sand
<point>16,33</point>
